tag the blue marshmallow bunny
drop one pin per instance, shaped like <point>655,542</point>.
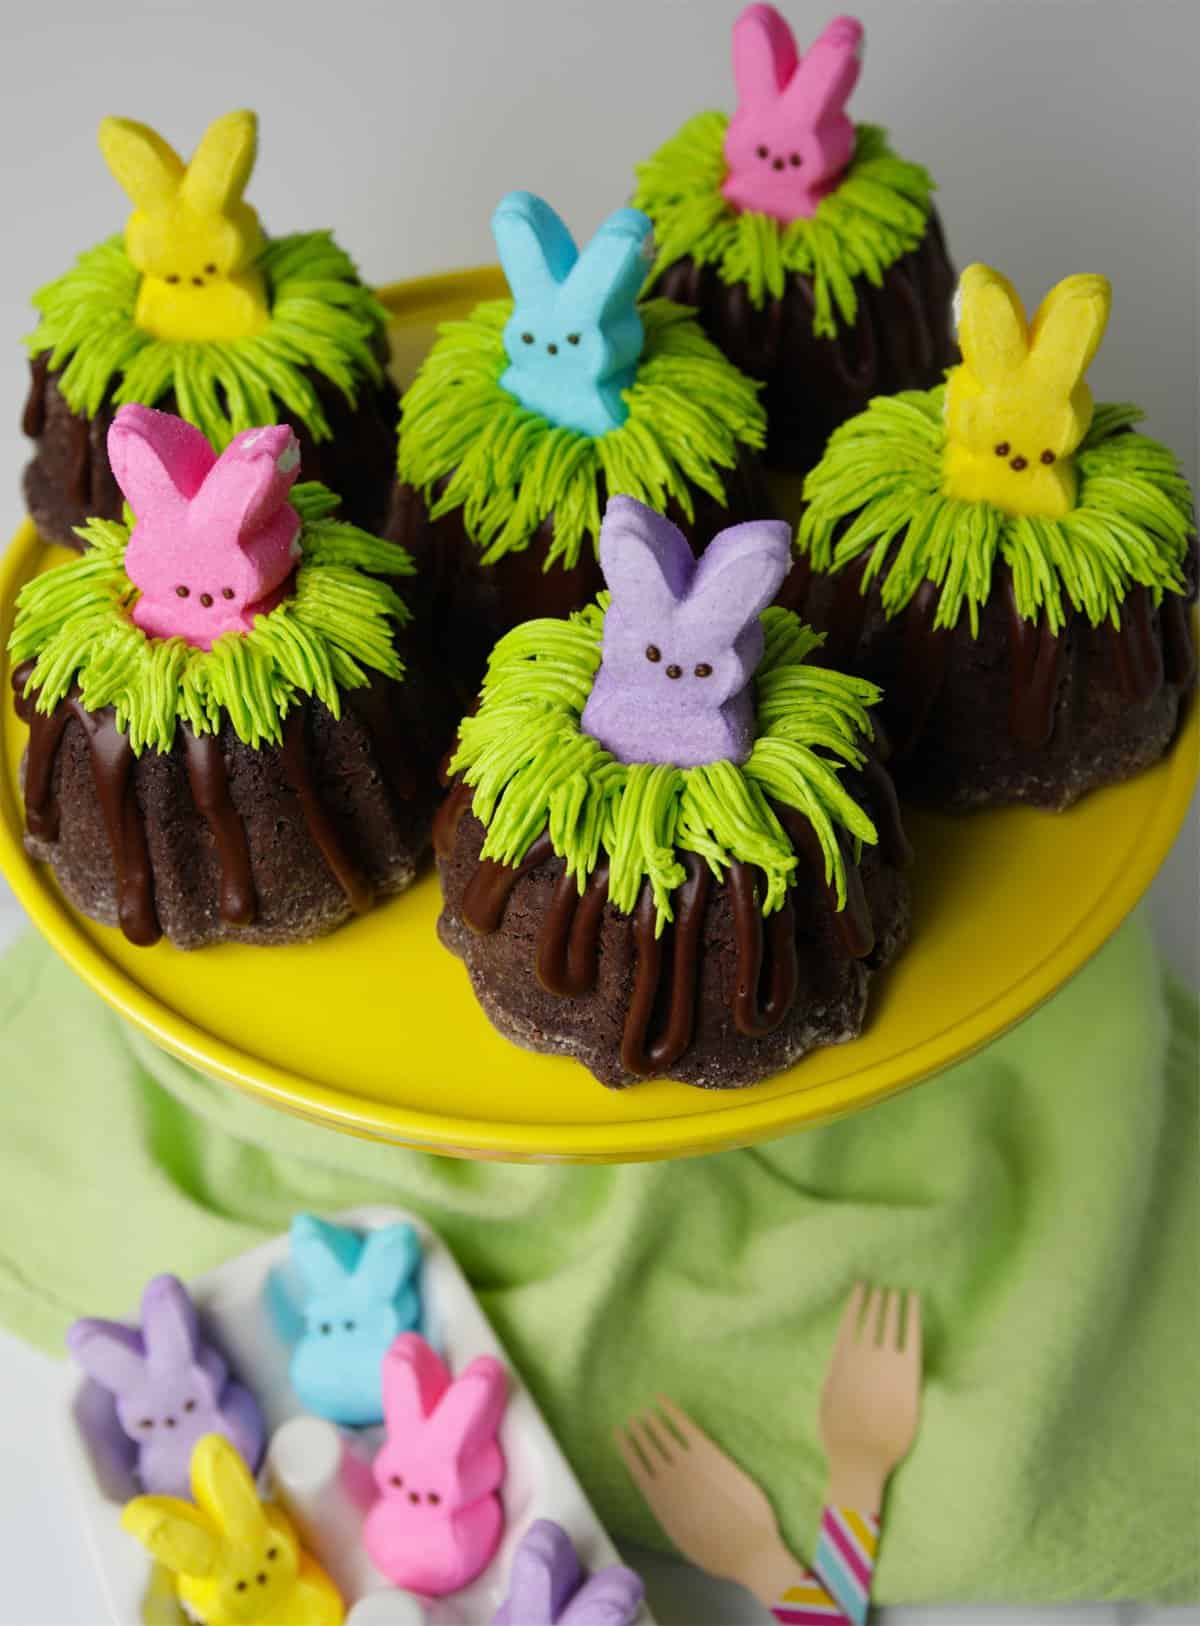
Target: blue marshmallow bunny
<point>361,1293</point>
<point>575,337</point>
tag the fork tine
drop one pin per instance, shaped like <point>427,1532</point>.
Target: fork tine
<point>847,1333</point>
<point>892,1305</point>
<point>680,1421</point>
<point>872,1317</point>
<point>645,1436</point>
<point>642,1476</point>
<point>912,1342</point>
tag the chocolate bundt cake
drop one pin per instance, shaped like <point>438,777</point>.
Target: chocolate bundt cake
<point>810,253</point>
<point>668,849</point>
<point>527,414</point>
<point>232,731</point>
<point>1013,566</point>
<point>195,312</point>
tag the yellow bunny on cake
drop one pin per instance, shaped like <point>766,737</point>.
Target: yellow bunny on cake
<point>1017,407</point>
<point>191,236</point>
<point>236,1560</point>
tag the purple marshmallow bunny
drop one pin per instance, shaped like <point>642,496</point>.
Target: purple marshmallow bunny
<point>170,1388</point>
<point>549,1587</point>
<point>682,637</point>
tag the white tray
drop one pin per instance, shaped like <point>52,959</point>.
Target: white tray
<point>233,1306</point>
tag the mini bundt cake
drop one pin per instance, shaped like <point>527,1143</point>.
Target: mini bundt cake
<point>668,849</point>
<point>1012,566</point>
<point>225,742</point>
<point>195,311</point>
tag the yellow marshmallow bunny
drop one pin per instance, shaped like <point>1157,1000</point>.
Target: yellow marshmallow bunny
<point>1018,407</point>
<point>191,236</point>
<point>236,1560</point>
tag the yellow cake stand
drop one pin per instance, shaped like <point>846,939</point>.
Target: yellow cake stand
<point>374,1030</point>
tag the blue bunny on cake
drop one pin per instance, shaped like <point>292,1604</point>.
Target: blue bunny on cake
<point>361,1293</point>
<point>575,337</point>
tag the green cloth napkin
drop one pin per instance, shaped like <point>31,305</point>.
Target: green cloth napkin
<point>1041,1196</point>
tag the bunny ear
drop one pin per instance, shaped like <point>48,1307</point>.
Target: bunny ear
<point>109,1353</point>
<point>147,168</point>
<point>546,1573</point>
<point>159,461</point>
<point>169,1326</point>
<point>175,1533</point>
<point>223,1488</point>
<point>388,1259</point>
<point>1068,328</point>
<point>249,483</point>
<point>829,70</point>
<point>645,558</point>
<point>536,249</point>
<point>414,1379</point>
<point>611,1598</point>
<point>216,177</point>
<point>764,56</point>
<point>990,318</point>
<point>739,574</point>
<point>469,1412</point>
<point>326,1255</point>
<point>608,275</point>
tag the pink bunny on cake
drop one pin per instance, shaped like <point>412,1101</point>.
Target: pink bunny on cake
<point>438,1522</point>
<point>215,539</point>
<point>790,139</point>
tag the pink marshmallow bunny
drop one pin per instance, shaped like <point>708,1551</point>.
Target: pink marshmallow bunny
<point>790,139</point>
<point>438,1520</point>
<point>215,538</point>
<point>682,637</point>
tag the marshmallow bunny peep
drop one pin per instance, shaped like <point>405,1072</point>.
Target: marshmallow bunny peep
<point>574,338</point>
<point>170,1387</point>
<point>682,637</point>
<point>549,1586</point>
<point>361,1293</point>
<point>215,539</point>
<point>236,1560</point>
<point>1018,406</point>
<point>790,140</point>
<point>191,236</point>
<point>438,1520</point>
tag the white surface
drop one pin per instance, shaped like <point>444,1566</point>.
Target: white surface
<point>538,1481</point>
<point>1062,135</point>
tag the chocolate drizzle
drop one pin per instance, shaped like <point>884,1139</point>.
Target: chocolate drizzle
<point>448,818</point>
<point>754,1015</point>
<point>294,759</point>
<point>853,923</point>
<point>678,948</point>
<point>1179,653</point>
<point>491,885</point>
<point>208,777</point>
<point>1138,653</point>
<point>33,419</point>
<point>925,657</point>
<point>567,956</point>
<point>1037,654</point>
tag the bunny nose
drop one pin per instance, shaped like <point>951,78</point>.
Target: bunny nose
<point>777,163</point>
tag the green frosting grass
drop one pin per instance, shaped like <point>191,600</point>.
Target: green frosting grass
<point>532,768</point>
<point>322,318</point>
<point>333,630</point>
<point>878,491</point>
<point>877,213</point>
<point>691,413</point>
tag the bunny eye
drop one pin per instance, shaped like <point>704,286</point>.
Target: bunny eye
<point>653,652</point>
<point>171,278</point>
<point>327,1327</point>
<point>146,1422</point>
<point>573,338</point>
<point>1019,463</point>
<point>761,151</point>
<point>796,160</point>
<point>272,1554</point>
<point>527,338</point>
<point>704,670</point>
<point>1003,449</point>
<point>211,269</point>
<point>189,1405</point>
<point>397,1481</point>
<point>1047,456</point>
<point>183,591</point>
<point>349,1326</point>
<point>674,671</point>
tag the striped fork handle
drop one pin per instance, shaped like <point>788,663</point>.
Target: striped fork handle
<point>837,1590</point>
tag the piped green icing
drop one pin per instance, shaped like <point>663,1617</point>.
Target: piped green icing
<point>691,413</point>
<point>322,317</point>
<point>878,212</point>
<point>329,635</point>
<point>533,769</point>
<point>877,492</point>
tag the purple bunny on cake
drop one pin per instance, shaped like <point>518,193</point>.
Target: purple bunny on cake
<point>170,1387</point>
<point>549,1586</point>
<point>682,637</point>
